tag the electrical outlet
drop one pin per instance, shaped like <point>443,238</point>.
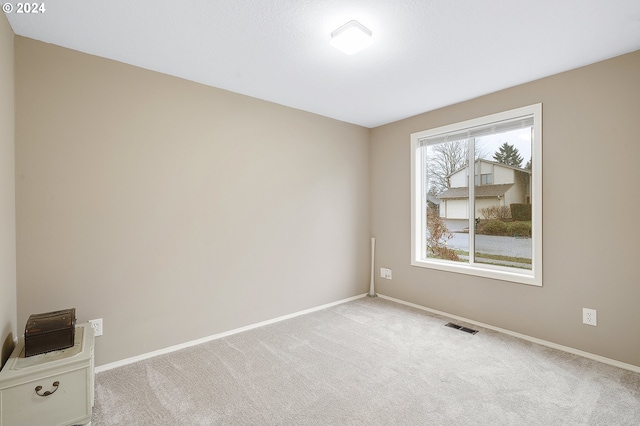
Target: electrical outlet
<point>96,324</point>
<point>589,316</point>
<point>385,273</point>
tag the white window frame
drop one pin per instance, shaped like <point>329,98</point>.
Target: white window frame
<point>418,202</point>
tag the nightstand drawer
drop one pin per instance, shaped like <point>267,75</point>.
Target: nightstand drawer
<point>63,379</point>
<point>68,402</point>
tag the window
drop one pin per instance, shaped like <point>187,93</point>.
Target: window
<point>486,179</point>
<point>487,221</point>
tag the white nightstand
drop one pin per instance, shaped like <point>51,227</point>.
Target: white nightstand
<point>55,388</point>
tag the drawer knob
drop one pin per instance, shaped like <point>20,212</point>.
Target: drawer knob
<point>55,384</point>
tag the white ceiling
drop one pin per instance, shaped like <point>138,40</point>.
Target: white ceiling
<point>427,53</point>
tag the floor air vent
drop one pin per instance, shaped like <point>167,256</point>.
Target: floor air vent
<point>458,327</point>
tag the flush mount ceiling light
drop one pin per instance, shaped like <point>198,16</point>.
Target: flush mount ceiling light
<point>351,38</point>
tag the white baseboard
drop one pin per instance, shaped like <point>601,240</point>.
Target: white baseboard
<point>563,348</point>
<point>568,349</point>
<point>148,355</point>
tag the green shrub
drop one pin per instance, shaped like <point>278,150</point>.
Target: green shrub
<point>519,229</point>
<point>520,211</point>
<point>495,227</point>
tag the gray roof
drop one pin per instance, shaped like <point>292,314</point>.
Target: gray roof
<point>481,191</point>
<point>433,199</point>
<point>495,163</point>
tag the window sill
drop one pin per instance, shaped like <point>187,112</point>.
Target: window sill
<point>484,271</point>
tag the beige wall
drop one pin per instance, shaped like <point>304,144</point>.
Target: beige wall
<point>591,153</point>
<point>174,210</point>
<point>7,195</point>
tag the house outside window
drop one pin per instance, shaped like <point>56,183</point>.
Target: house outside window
<point>486,221</point>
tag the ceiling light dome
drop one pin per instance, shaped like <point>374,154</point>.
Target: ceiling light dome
<point>351,38</point>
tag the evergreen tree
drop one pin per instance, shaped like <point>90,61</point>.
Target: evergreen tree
<point>509,155</point>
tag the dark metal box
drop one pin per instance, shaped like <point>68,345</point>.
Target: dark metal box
<point>50,331</point>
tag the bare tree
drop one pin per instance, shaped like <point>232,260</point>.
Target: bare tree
<point>438,236</point>
<point>442,160</point>
<point>446,158</point>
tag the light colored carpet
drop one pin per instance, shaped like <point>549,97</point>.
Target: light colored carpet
<point>367,362</point>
